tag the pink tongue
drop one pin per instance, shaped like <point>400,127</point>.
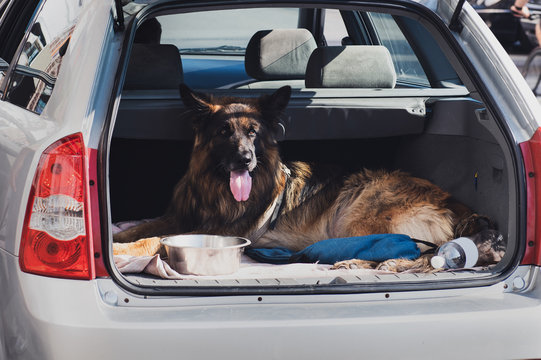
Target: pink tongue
<point>240,183</point>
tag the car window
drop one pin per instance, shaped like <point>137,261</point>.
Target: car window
<point>39,62</point>
<point>334,29</point>
<point>224,31</point>
<point>212,44</point>
<point>407,66</point>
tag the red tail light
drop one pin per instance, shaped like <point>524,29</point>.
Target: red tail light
<point>531,153</point>
<point>55,239</point>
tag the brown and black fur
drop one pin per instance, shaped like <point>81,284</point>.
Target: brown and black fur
<point>318,203</point>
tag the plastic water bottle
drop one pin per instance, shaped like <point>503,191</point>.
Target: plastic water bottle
<point>455,254</point>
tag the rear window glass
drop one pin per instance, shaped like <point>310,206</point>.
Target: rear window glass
<point>407,66</point>
<point>222,32</point>
<point>212,45</point>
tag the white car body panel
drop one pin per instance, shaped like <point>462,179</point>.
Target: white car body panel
<point>75,321</point>
<point>97,319</point>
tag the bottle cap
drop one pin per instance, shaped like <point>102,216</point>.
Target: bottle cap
<point>437,262</point>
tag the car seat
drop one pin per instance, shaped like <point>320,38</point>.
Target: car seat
<point>351,66</point>
<point>153,67</point>
<point>275,58</point>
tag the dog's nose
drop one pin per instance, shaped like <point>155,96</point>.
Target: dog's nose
<point>245,158</point>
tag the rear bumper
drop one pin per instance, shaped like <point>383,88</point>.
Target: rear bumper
<point>46,318</point>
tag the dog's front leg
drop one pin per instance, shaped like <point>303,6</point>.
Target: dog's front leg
<point>144,247</point>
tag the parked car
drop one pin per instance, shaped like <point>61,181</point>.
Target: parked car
<point>93,134</point>
<point>515,34</point>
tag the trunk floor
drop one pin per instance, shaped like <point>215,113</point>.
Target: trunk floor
<point>255,274</point>
<point>152,281</point>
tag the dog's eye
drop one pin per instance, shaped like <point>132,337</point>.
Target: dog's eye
<point>225,131</point>
<point>252,133</point>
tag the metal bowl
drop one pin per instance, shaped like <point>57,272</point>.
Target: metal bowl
<point>204,254</point>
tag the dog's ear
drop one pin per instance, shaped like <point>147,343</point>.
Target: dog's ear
<point>194,100</point>
<point>272,106</point>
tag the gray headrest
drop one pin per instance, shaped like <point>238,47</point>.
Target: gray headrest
<point>153,66</point>
<point>279,54</point>
<point>352,66</point>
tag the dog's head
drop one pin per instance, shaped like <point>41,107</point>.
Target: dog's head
<point>234,136</point>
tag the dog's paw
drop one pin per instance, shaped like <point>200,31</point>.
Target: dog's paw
<point>393,265</point>
<point>472,225</point>
<point>354,264</point>
<point>400,265</point>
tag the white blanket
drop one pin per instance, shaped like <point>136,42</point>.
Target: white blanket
<point>249,269</point>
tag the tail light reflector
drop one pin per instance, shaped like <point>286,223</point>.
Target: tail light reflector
<point>55,238</point>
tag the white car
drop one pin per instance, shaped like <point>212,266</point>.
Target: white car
<point>93,137</point>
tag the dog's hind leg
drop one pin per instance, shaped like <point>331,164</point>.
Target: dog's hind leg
<point>421,264</point>
<point>424,222</point>
<point>355,264</point>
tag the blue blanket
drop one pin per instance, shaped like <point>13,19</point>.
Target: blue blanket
<point>377,247</point>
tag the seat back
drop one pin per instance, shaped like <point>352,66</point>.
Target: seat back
<point>153,67</point>
<point>351,66</point>
<point>278,57</point>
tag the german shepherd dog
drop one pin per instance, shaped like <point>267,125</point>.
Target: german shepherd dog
<point>236,184</point>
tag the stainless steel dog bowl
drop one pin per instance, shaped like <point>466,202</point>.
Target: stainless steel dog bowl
<point>204,254</point>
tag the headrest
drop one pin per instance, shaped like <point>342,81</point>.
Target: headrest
<point>352,66</point>
<point>279,54</point>
<point>153,66</point>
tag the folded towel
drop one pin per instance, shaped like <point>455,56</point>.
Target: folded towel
<point>377,247</point>
<point>153,265</point>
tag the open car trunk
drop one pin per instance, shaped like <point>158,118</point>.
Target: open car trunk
<point>438,130</point>
<point>441,135</point>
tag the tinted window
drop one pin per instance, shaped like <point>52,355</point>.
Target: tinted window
<point>40,60</point>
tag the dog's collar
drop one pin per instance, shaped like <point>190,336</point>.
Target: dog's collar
<point>270,216</point>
